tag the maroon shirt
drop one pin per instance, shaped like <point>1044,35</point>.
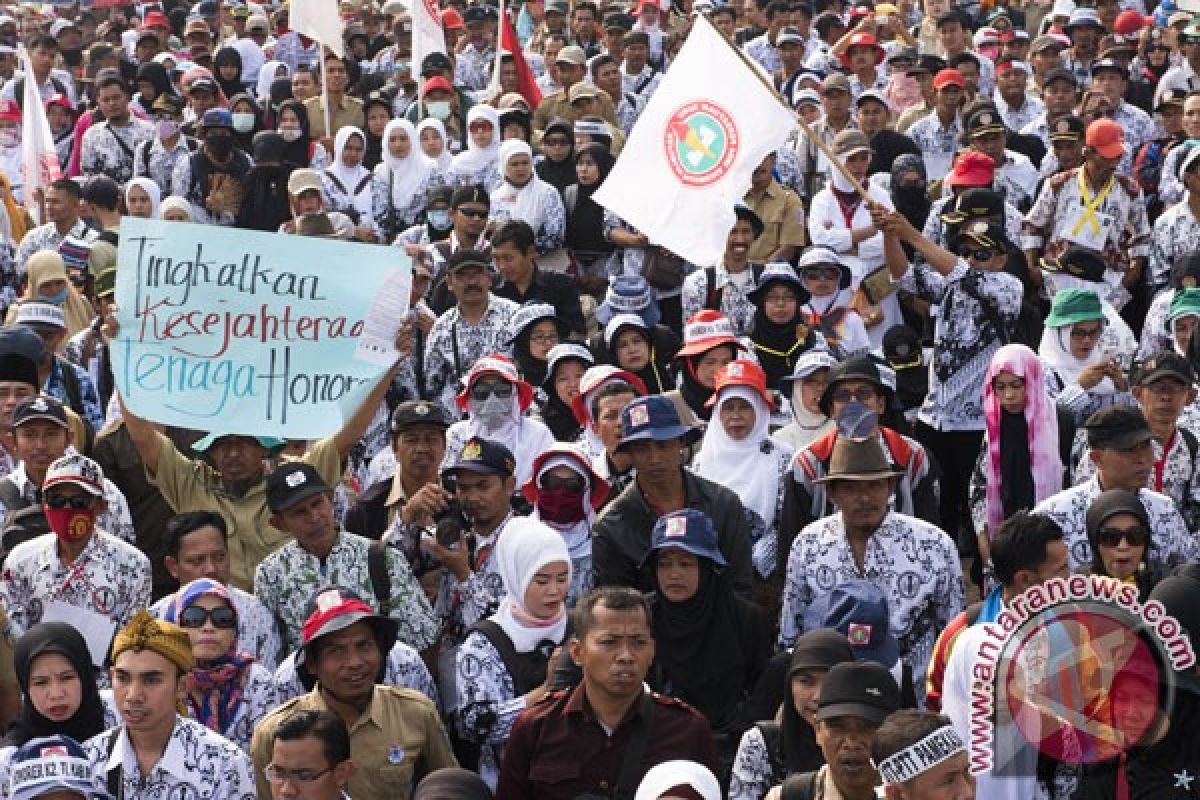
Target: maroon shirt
<point>558,750</point>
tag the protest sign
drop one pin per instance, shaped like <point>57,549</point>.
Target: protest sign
<point>264,334</point>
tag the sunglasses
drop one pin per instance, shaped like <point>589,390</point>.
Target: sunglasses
<point>473,212</point>
<point>823,273</point>
<point>195,617</point>
<point>1111,537</point>
<point>565,484</point>
<point>482,391</point>
<point>76,502</point>
<point>860,396</point>
<point>978,254</point>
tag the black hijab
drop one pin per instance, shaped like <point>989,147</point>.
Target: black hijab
<point>281,90</point>
<point>296,153</point>
<point>156,75</point>
<point>559,174</point>
<point>246,140</point>
<point>911,201</point>
<point>776,345</point>
<point>693,393</point>
<point>557,415</point>
<point>226,57</point>
<point>585,222</point>
<point>373,152</point>
<point>61,638</point>
<point>818,649</point>
<point>264,191</point>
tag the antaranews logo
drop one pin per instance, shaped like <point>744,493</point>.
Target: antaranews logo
<point>702,142</point>
<point>1077,669</point>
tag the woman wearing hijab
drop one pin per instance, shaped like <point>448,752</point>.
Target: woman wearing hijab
<point>1024,450</point>
<point>478,165</point>
<point>347,184</point>
<point>557,164</point>
<point>738,452</point>
<point>264,191</point>
<point>585,237</point>
<point>300,149</point>
<point>805,386</point>
<point>247,120</point>
<point>536,329</point>
<point>151,81</point>
<point>142,198</point>
<point>523,195</point>
<point>402,180</point>
<point>708,345</point>
<point>773,749</point>
<point>1119,531</point>
<point>502,663</point>
<point>679,779</point>
<point>227,691</point>
<point>178,209</point>
<point>710,644</point>
<point>565,365</point>
<point>779,331</point>
<point>452,783</point>
<point>279,93</point>
<point>647,351</point>
<point>48,282</point>
<point>566,493</point>
<point>431,133</point>
<point>267,75</point>
<point>227,66</point>
<point>377,113</point>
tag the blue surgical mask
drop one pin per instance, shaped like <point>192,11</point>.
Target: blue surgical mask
<point>57,298</point>
<point>439,218</point>
<point>439,109</point>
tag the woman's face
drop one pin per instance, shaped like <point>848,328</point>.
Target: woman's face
<point>352,152</point>
<point>230,72</point>
<point>519,169</point>
<point>780,304</point>
<point>811,389</point>
<point>566,380</point>
<point>1010,391</point>
<point>513,130</point>
<point>1122,544</point>
<point>175,215</point>
<point>806,685</point>
<point>822,280</point>
<point>482,133</point>
<point>242,107</point>
<point>51,287</point>
<point>399,145</point>
<point>542,337</point>
<point>857,165</point>
<point>587,170</point>
<point>709,363</point>
<point>148,91</point>
<point>737,418</point>
<point>138,202</point>
<point>55,688</point>
<point>432,143</point>
<point>208,641</point>
<point>678,573</point>
<point>547,590</point>
<point>1084,336</point>
<point>1183,327</point>
<point>288,119</point>
<point>632,351</point>
<point>377,119</point>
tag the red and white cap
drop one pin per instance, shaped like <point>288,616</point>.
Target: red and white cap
<point>504,367</point>
<point>706,330</point>
<point>78,470</point>
<point>593,380</point>
<point>561,454</point>
<point>742,372</point>
<point>10,111</point>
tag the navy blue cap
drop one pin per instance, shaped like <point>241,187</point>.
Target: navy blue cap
<point>216,118</point>
<point>651,418</point>
<point>688,530</point>
<point>858,609</point>
<point>485,457</point>
<point>629,294</point>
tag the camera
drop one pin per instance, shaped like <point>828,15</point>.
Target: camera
<point>452,523</point>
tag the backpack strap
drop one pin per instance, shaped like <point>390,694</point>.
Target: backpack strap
<point>1189,441</point>
<point>115,776</point>
<point>336,181</point>
<point>772,736</point>
<point>501,642</point>
<point>712,295</point>
<point>381,583</point>
<point>800,787</point>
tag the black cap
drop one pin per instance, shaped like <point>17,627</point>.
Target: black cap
<point>412,413</point>
<point>21,350</point>
<point>470,194</point>
<point>1171,97</point>
<point>292,482</point>
<point>435,62</point>
<point>976,203</point>
<point>1165,364</point>
<point>1110,502</point>
<point>902,347</point>
<point>927,63</point>
<point>1067,126</point>
<point>202,85</point>
<point>1110,64</point>
<point>618,22</point>
<point>1178,594</point>
<point>821,649</point>
<point>439,194</point>
<point>486,458</point>
<point>476,14</point>
<point>467,258</point>
<point>40,407</point>
<point>1061,74</point>
<point>985,119</point>
<point>858,368</point>
<point>1117,428</point>
<point>1078,262</point>
<point>863,689</point>
<point>952,16</point>
<point>985,232</point>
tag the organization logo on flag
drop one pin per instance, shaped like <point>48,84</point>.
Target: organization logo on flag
<point>702,143</point>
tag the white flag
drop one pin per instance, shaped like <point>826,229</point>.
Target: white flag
<point>319,20</point>
<point>427,33</point>
<point>690,156</point>
<point>40,158</point>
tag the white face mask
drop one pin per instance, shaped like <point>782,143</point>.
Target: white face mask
<point>243,121</point>
<point>439,109</point>
<point>291,134</point>
<point>494,413</point>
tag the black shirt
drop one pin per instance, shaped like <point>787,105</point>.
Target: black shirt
<point>554,288</point>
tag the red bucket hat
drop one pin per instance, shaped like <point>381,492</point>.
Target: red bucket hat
<point>706,330</point>
<point>592,380</point>
<point>863,40</point>
<point>742,372</point>
<point>562,453</point>
<point>502,366</point>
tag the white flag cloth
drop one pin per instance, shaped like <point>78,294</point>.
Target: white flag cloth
<point>319,20</point>
<point>690,156</point>
<point>427,34</point>
<point>40,158</point>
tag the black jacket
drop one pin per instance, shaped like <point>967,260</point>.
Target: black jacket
<point>554,288</point>
<point>888,145</point>
<point>621,535</point>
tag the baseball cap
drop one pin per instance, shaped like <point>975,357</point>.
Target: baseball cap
<point>1110,64</point>
<point>1171,97</point>
<point>51,764</point>
<point>927,63</point>
<point>412,413</point>
<point>1060,74</point>
<point>485,457</point>
<point>819,649</point>
<point>435,62</point>
<point>849,142</point>
<point>806,96</point>
<point>303,180</point>
<point>216,118</point>
<point>983,121</point>
<point>1117,428</point>
<point>291,483</point>
<point>859,610</point>
<point>36,314</point>
<point>1165,364</point>
<point>837,82</point>
<point>689,530</point>
<point>39,407</point>
<point>9,110</point>
<point>1078,262</point>
<point>467,258</point>
<point>1067,127</point>
<point>571,54</point>
<point>787,35</point>
<point>581,91</point>
<point>437,83</point>
<point>872,94</point>
<point>949,77</point>
<point>858,689</point>
<point>1106,137</point>
<point>472,193</point>
<point>106,282</point>
<point>1043,43</point>
<point>971,168</point>
<point>78,470</point>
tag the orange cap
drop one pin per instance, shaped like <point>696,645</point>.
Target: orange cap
<point>1106,137</point>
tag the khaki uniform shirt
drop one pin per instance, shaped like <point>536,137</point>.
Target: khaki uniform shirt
<point>557,105</point>
<point>782,215</point>
<point>347,113</point>
<point>395,743</point>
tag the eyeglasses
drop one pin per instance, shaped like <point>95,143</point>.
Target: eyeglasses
<point>76,502</point>
<point>299,777</point>
<point>482,391</point>
<point>222,617</point>
<point>480,127</point>
<point>565,484</point>
<point>781,297</point>
<point>978,254</point>
<point>822,273</point>
<point>473,212</point>
<point>857,396</point>
<point>556,141</point>
<point>544,338</point>
<point>1111,537</point>
<point>1086,333</point>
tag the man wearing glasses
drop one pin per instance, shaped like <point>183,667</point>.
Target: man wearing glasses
<point>310,758</point>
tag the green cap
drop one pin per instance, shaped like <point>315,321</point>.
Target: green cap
<point>106,282</point>
<point>1074,305</point>
<point>1185,303</point>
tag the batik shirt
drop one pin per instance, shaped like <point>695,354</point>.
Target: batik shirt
<point>965,338</point>
<point>10,282</point>
<point>1176,474</point>
<point>463,603</point>
<point>258,634</point>
<point>454,345</point>
<point>115,519</point>
<point>110,578</point>
<point>1081,403</point>
<point>735,302</point>
<point>1170,188</point>
<point>108,150</point>
<point>387,216</point>
<point>1118,228</point>
<point>766,54</point>
<point>47,237</point>
<point>1016,119</point>
<point>1174,544</point>
<point>291,51</point>
<point>935,228</point>
<point>1176,233</point>
<point>1155,336</point>
<point>913,563</point>
<point>197,764</point>
<point>644,84</point>
<point>259,698</point>
<point>937,143</point>
<point>403,667</point>
<point>160,167</point>
<point>628,108</point>
<point>89,401</point>
<point>473,68</point>
<point>287,580</point>
<point>752,775</point>
<point>1139,128</point>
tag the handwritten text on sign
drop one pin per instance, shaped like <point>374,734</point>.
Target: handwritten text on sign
<point>257,333</point>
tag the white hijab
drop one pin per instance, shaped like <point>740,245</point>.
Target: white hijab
<point>578,537</point>
<point>471,161</point>
<point>524,547</point>
<point>522,202</point>
<point>266,77</point>
<point>445,160</point>
<point>1117,341</point>
<point>177,203</point>
<point>150,188</point>
<point>407,175</point>
<point>741,465</point>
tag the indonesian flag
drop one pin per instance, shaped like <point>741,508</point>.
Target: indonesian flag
<point>39,159</point>
<point>510,45</point>
<point>427,33</point>
<point>320,21</point>
<point>689,158</point>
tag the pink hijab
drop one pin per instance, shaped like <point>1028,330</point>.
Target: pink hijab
<point>1041,418</point>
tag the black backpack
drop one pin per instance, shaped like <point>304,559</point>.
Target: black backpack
<point>24,520</point>
<point>713,295</point>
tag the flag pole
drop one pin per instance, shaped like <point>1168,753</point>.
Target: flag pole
<point>499,57</point>
<point>817,140</point>
<point>325,93</point>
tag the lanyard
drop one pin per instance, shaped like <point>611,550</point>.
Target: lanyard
<point>1161,463</point>
<point>76,572</point>
<point>1091,204</point>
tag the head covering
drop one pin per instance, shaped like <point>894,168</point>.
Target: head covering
<point>155,74</point>
<point>559,174</point>
<point>144,632</point>
<point>671,778</point>
<point>267,77</point>
<point>524,202</point>
<point>445,159</point>
<point>1022,465</point>
<point>816,650</point>
<point>1072,306</point>
<point>777,345</point>
<point>216,688</point>
<point>296,153</point>
<point>407,175</point>
<point>912,202</point>
<point>228,56</point>
<point>474,159</point>
<point>175,203</point>
<point>48,265</point>
<point>452,783</point>
<point>352,177</point>
<point>1106,505</point>
<point>150,188</point>
<point>526,546</point>
<point>88,719</point>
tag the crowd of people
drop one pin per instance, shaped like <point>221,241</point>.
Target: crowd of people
<point>613,524</point>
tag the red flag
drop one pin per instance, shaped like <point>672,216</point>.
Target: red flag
<point>526,83</point>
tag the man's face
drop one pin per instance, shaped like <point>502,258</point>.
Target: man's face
<point>512,262</point>
<point>726,23</point>
<point>419,451</point>
<point>310,521</point>
<point>1191,116</point>
<point>238,458</point>
<point>861,58</point>
<point>146,49</point>
<point>615,654</point>
<point>40,443</point>
<point>608,78</point>
<point>569,74</point>
<point>336,77</point>
<point>113,103</point>
<point>1164,399</point>
<point>1171,118</point>
<point>347,663</point>
<point>953,38</point>
<point>1111,83</point>
<point>1068,152</point>
<point>1011,84</point>
<point>761,177</point>
<point>1059,96</point>
<point>636,55</point>
<point>872,117</point>
<point>608,418</point>
<point>202,100</point>
<point>863,503</point>
<point>304,85</point>
<point>1085,39</point>
<point>486,499</point>
<point>1046,59</point>
<point>740,239</point>
<point>846,744</point>
<point>949,98</point>
<point>657,463</point>
<point>469,283</point>
<point>1124,469</point>
<point>203,553</point>
<point>42,59</point>
<point>792,55</point>
<point>584,23</point>
<point>60,206</point>
<point>991,145</point>
<point>949,780</point>
<point>146,687</point>
<point>836,103</point>
<point>11,394</point>
<point>305,758</point>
